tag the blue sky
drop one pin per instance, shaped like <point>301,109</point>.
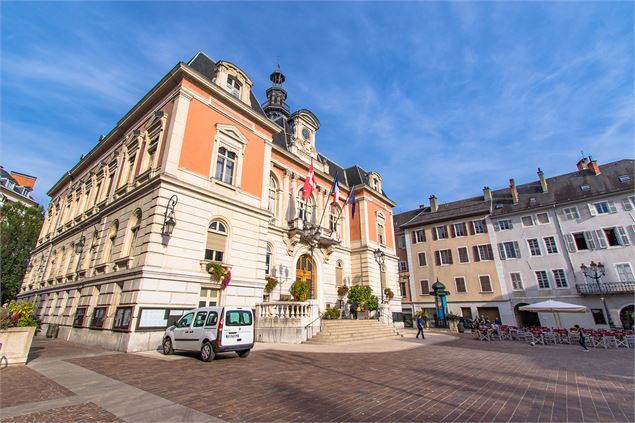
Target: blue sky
<point>438,97</point>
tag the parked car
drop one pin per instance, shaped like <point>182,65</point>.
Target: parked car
<point>212,330</point>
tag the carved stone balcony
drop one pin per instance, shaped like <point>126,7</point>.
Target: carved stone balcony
<point>606,288</point>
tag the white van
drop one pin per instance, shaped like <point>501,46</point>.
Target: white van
<point>211,330</point>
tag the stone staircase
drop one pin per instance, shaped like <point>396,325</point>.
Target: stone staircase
<point>341,331</point>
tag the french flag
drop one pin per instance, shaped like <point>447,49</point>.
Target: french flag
<point>335,191</point>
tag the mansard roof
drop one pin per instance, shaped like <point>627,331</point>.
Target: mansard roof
<point>207,67</point>
<point>469,207</point>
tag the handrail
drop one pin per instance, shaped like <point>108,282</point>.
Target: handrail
<point>305,330</point>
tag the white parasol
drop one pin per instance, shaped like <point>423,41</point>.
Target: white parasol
<point>555,307</point>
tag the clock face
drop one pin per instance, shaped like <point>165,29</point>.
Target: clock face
<point>305,133</point>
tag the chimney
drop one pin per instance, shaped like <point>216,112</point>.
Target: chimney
<point>487,194</point>
<point>433,204</point>
<point>593,166</point>
<point>512,188</point>
<point>583,163</point>
<point>543,181</point>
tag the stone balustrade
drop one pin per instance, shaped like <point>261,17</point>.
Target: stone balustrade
<point>288,322</point>
<point>284,310</point>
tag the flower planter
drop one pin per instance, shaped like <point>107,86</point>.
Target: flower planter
<point>16,343</point>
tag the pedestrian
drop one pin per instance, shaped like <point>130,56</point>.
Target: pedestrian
<point>582,340</point>
<point>420,327</point>
<point>498,321</point>
<point>424,318</point>
<point>354,309</point>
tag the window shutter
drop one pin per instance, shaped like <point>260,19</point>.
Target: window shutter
<point>414,237</point>
<point>464,228</point>
<point>452,232</point>
<point>450,256</point>
<point>511,224</point>
<point>477,257</point>
<point>472,228</point>
<point>517,249</point>
<point>588,237</point>
<point>496,227</point>
<point>434,233</point>
<point>592,210</point>
<point>623,236</point>
<point>501,251</point>
<point>490,251</point>
<point>570,243</point>
<point>447,231</point>
<point>215,242</point>
<point>437,258</point>
<point>626,203</point>
<point>601,238</point>
<point>612,208</point>
<point>485,227</point>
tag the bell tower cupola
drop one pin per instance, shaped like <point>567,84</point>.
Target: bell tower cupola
<point>275,105</point>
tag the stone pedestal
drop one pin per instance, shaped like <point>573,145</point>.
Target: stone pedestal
<point>16,343</point>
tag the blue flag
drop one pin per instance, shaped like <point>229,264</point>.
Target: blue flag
<point>351,200</point>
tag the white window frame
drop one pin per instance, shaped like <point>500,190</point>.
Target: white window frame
<point>555,242</point>
<point>417,238</point>
<point>520,280</point>
<point>458,254</point>
<point>403,266</point>
<point>538,222</point>
<point>537,245</point>
<point>425,257</point>
<point>625,263</point>
<point>571,213</point>
<point>449,250</point>
<point>538,281</point>
<point>555,279</point>
<point>481,223</point>
<point>401,242</point>
<point>232,139</point>
<point>459,225</point>
<point>622,236</point>
<point>480,284</point>
<point>480,256</point>
<point>421,293</point>
<point>508,225</point>
<point>523,222</point>
<point>595,211</point>
<point>444,229</point>
<point>456,286</point>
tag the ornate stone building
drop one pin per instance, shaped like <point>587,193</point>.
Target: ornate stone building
<point>199,172</point>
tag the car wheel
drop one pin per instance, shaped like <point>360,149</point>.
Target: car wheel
<point>243,353</point>
<point>167,346</point>
<point>207,353</point>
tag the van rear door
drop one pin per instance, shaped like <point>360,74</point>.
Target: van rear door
<point>238,328</point>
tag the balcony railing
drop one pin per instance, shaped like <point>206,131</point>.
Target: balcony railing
<point>608,288</point>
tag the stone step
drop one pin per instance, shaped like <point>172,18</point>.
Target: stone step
<point>342,331</point>
<point>332,340</point>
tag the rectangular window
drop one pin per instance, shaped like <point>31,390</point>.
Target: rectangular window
<point>78,321</point>
<point>444,257</point>
<point>402,289</point>
<point>624,272</point>
<point>225,165</point>
<point>571,213</point>
<point>517,282</point>
<point>99,315</point>
<point>504,224</point>
<point>460,284</point>
<point>483,252</point>
<point>233,86</point>
<point>542,218</point>
<point>122,318</point>
<point>486,284</point>
<point>542,278</point>
<point>380,234</point>
<point>509,250</point>
<point>238,318</point>
<point>598,316</point>
<point>603,207</point>
<point>550,245</point>
<point>560,278</point>
<point>425,288</point>
<point>442,232</point>
<point>422,259</point>
<point>478,226</point>
<point>582,241</point>
<point>401,242</point>
<point>403,266</point>
<point>419,236</point>
<point>463,255</point>
<point>459,229</point>
<point>534,247</point>
<point>527,221</point>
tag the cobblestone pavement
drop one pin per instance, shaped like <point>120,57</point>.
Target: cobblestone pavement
<point>21,385</point>
<point>75,413</point>
<point>459,380</point>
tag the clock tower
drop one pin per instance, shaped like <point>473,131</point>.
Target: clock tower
<point>275,107</point>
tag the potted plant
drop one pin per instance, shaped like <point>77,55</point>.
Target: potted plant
<point>331,313</point>
<point>453,320</point>
<point>342,291</point>
<point>270,286</point>
<point>299,290</point>
<point>388,294</point>
<point>18,325</point>
<point>217,270</point>
<point>363,296</point>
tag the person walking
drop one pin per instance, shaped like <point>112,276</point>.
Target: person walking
<point>354,309</point>
<point>420,327</point>
<point>582,340</point>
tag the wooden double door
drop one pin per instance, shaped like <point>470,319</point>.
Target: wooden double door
<point>305,271</point>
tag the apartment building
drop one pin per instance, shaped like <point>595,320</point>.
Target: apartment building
<point>199,175</point>
<point>16,186</point>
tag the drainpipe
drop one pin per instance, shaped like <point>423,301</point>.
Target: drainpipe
<point>567,254</point>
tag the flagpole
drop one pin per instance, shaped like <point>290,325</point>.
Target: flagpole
<point>342,209</point>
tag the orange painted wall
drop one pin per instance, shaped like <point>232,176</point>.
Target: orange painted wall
<point>198,144</point>
<point>373,208</point>
<point>356,228</point>
<point>302,171</point>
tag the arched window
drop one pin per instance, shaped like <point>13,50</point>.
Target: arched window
<point>339,273</point>
<point>273,194</point>
<point>381,229</point>
<point>216,241</point>
<point>225,165</point>
<point>306,209</point>
<point>110,242</point>
<point>133,227</point>
<point>268,259</point>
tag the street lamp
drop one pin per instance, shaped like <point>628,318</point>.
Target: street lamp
<point>595,271</point>
<point>168,217</point>
<point>380,257</point>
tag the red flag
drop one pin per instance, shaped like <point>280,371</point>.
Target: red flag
<point>309,183</point>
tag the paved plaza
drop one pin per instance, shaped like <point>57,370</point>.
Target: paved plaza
<point>444,378</point>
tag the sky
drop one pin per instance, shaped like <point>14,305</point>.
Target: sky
<point>440,97</point>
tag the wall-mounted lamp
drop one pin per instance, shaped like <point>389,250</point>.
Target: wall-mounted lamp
<point>79,245</point>
<point>168,218</point>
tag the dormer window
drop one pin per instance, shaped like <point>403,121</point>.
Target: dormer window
<point>233,86</point>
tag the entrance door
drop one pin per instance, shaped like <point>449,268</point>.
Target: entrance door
<point>526,319</point>
<point>626,317</point>
<point>305,270</point>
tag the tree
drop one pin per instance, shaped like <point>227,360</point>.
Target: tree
<point>19,228</point>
